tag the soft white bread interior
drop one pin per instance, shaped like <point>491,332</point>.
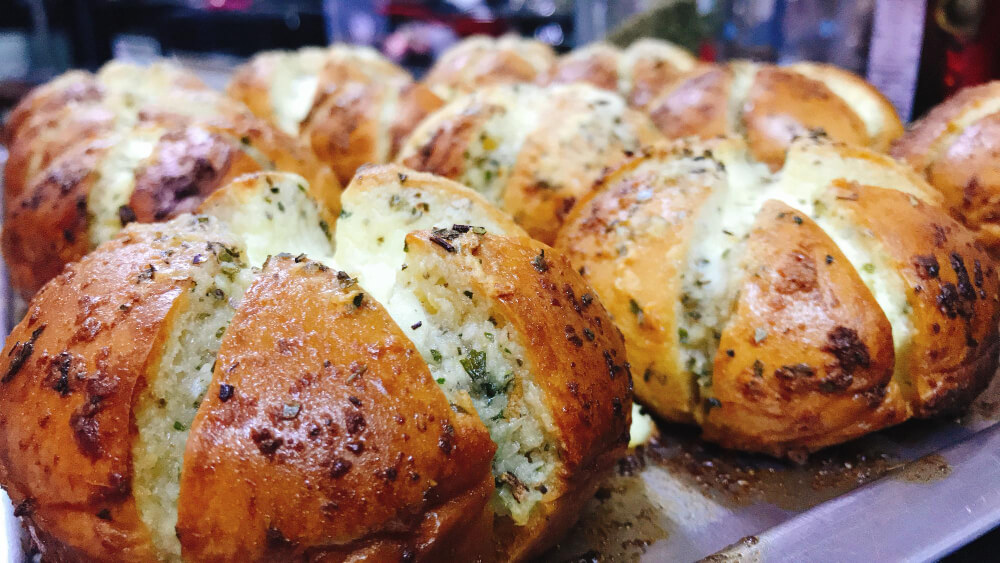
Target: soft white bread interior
<point>273,212</point>
<point>218,275</point>
<point>386,202</point>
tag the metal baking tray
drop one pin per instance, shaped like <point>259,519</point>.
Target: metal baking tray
<point>910,493</point>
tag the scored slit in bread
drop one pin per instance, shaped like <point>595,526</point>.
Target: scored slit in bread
<point>467,346</point>
<point>213,261</point>
<point>274,212</point>
<point>115,182</point>
<point>473,351</point>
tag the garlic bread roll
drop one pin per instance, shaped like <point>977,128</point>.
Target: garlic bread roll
<point>532,151</point>
<point>955,148</point>
<point>480,61</point>
<point>770,106</point>
<point>784,312</point>
<point>349,104</point>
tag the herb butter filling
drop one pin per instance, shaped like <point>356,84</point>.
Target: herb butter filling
<point>476,356</point>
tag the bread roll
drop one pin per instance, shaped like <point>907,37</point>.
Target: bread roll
<point>638,73</point>
<point>784,312</point>
<point>220,411</point>
<point>147,173</point>
<point>349,104</point>
<point>770,106</point>
<point>480,299</point>
<point>956,147</point>
<point>532,151</point>
<point>480,61</point>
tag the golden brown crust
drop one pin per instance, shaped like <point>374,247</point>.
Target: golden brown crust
<point>567,137</point>
<point>596,64</point>
<point>185,167</point>
<point>952,290</point>
<point>806,360</point>
<point>46,227</point>
<point>71,87</point>
<point>648,273</point>
<point>477,62</point>
<point>443,153</point>
<point>541,193</point>
<point>250,83</point>
<point>362,106</point>
<point>572,344</point>
<point>695,106</point>
<point>956,146</point>
<point>782,105</point>
<point>918,146</point>
<point>70,371</point>
<point>655,66</point>
<point>880,116</point>
<point>771,106</point>
<point>47,136</point>
<point>646,69</point>
<point>77,106</point>
<point>329,404</point>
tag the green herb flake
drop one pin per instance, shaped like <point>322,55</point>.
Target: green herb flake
<point>220,332</point>
<point>475,366</point>
<point>683,335</point>
<point>489,336</point>
<point>636,310</point>
<point>179,426</point>
<point>868,268</point>
<point>440,381</point>
<point>436,355</point>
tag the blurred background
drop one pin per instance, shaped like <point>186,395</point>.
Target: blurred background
<point>916,51</point>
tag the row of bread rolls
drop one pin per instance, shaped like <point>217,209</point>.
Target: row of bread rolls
<point>353,106</point>
<point>772,337</point>
<point>210,388</point>
<point>533,150</point>
<point>536,151</point>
